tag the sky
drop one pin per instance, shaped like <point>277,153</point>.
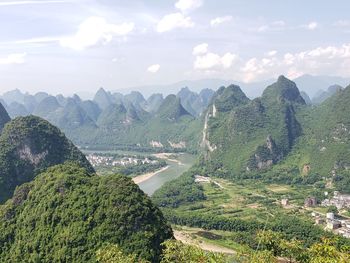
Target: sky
<point>68,46</point>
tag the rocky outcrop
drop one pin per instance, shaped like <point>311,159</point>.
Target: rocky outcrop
<point>25,153</point>
<point>30,145</point>
<point>306,169</point>
<point>265,156</point>
<point>205,144</point>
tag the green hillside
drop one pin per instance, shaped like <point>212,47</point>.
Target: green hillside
<point>29,145</point>
<point>66,215</point>
<point>323,150</point>
<point>4,117</point>
<point>278,137</point>
<point>171,127</point>
<point>253,135</point>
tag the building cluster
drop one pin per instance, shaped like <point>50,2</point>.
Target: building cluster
<point>340,201</point>
<point>100,160</point>
<point>339,226</point>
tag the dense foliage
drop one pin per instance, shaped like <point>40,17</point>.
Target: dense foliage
<point>66,215</point>
<point>273,248</point>
<point>179,191</point>
<point>174,251</point>
<point>254,135</point>
<point>278,138</point>
<point>4,117</point>
<point>288,227</point>
<point>29,145</point>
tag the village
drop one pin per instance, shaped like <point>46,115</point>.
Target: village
<point>332,220</point>
<point>113,161</point>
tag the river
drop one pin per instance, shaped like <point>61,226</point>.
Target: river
<point>175,168</point>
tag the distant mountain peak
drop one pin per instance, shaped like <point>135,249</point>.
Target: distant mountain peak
<point>185,89</point>
<point>103,98</point>
<point>334,88</point>
<point>324,95</point>
<point>284,89</point>
<point>46,106</point>
<point>101,89</point>
<point>225,99</point>
<point>172,108</point>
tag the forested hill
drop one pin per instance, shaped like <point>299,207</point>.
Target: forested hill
<point>29,145</point>
<point>253,134</point>
<point>54,208</point>
<point>278,136</point>
<point>66,215</point>
<point>4,117</point>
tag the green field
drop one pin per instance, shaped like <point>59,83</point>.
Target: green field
<point>249,200</point>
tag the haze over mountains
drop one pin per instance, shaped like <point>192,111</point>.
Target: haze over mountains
<point>116,120</point>
<point>308,83</point>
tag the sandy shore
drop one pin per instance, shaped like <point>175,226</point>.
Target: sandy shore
<point>166,156</point>
<point>143,177</point>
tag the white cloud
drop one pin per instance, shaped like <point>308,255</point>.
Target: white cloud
<point>173,21</point>
<point>200,49</point>
<point>209,61</point>
<point>186,5</point>
<point>153,68</point>
<point>9,3</point>
<point>312,25</point>
<point>272,53</point>
<point>227,60</point>
<point>212,61</point>
<point>263,28</point>
<point>16,58</point>
<point>289,59</point>
<point>255,68</point>
<point>318,61</point>
<point>37,40</point>
<point>95,30</point>
<point>219,20</point>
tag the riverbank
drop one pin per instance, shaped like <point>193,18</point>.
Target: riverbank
<point>144,177</point>
<point>166,156</point>
<point>177,164</point>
